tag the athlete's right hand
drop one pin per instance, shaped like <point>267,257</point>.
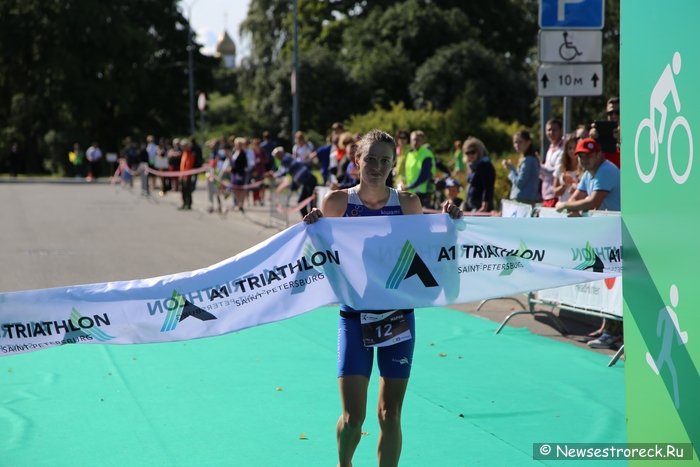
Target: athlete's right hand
<point>313,215</point>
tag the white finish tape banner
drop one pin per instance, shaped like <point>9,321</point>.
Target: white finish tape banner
<point>368,263</point>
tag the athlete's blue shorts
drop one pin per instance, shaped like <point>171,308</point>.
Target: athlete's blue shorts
<point>354,358</point>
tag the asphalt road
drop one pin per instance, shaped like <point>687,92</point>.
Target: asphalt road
<point>59,234</point>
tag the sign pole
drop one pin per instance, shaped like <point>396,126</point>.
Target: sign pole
<point>566,121</point>
<point>545,115</point>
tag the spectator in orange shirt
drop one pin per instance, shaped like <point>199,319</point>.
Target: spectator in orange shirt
<point>187,162</point>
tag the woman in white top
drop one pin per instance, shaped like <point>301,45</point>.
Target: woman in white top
<point>568,173</point>
<point>302,149</point>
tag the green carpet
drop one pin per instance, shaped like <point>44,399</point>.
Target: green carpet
<point>267,396</point>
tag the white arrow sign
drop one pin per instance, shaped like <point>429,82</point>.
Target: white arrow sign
<point>570,46</point>
<point>570,80</point>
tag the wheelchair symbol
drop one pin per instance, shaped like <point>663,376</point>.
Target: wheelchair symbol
<point>568,51</point>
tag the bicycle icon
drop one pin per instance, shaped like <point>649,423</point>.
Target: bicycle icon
<point>568,51</point>
<point>665,85</point>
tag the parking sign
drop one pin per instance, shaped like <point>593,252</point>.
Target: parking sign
<point>572,14</point>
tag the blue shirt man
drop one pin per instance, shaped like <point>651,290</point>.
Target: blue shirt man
<point>599,187</point>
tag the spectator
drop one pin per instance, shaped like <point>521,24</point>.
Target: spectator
<point>214,176</point>
<point>599,187</point>
<point>197,151</point>
<point>267,145</point>
<point>581,132</point>
<point>152,150</point>
<point>420,168</point>
<point>350,176</point>
<point>133,156</point>
<point>93,156</point>
<point>460,167</point>
<point>302,149</point>
<point>174,156</point>
<point>452,188</point>
<point>301,176</point>
<point>551,162</point>
<point>198,159</point>
<point>482,177</point>
<point>161,164</point>
<point>402,148</point>
<point>323,156</point>
<point>187,162</point>
<point>239,172</point>
<point>526,179</point>
<point>77,158</point>
<point>143,170</point>
<point>337,129</point>
<point>258,171</point>
<point>568,173</point>
<point>336,155</point>
<point>344,147</point>
<point>15,159</point>
<point>613,115</point>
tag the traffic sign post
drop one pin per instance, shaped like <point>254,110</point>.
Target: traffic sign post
<point>570,46</point>
<point>572,14</point>
<point>570,80</point>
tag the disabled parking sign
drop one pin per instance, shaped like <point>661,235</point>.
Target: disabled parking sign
<point>572,14</point>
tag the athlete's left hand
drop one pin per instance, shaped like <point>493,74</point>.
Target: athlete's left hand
<point>454,211</point>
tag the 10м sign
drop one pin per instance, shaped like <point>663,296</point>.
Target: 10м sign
<point>570,80</point>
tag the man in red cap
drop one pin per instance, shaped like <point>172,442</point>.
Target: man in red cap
<point>599,187</point>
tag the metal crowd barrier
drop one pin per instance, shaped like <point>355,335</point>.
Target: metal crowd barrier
<point>514,209</point>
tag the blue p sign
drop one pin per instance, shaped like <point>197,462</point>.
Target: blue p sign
<point>572,14</point>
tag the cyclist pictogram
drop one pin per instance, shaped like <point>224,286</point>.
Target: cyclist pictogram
<point>664,86</point>
<point>568,51</point>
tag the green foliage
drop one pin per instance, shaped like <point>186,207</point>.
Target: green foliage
<point>506,89</point>
<point>384,50</point>
<point>497,135</point>
<point>225,117</point>
<point>467,114</point>
<point>441,128</point>
<point>366,55</point>
<point>501,189</point>
<point>398,117</point>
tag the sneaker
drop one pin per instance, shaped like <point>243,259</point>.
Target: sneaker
<point>605,341</point>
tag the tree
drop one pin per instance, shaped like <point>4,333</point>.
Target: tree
<point>86,70</point>
<point>384,49</point>
<point>506,90</point>
<point>389,51</point>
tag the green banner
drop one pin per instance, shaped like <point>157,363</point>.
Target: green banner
<point>659,72</point>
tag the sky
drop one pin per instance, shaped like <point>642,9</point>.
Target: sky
<point>211,17</point>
